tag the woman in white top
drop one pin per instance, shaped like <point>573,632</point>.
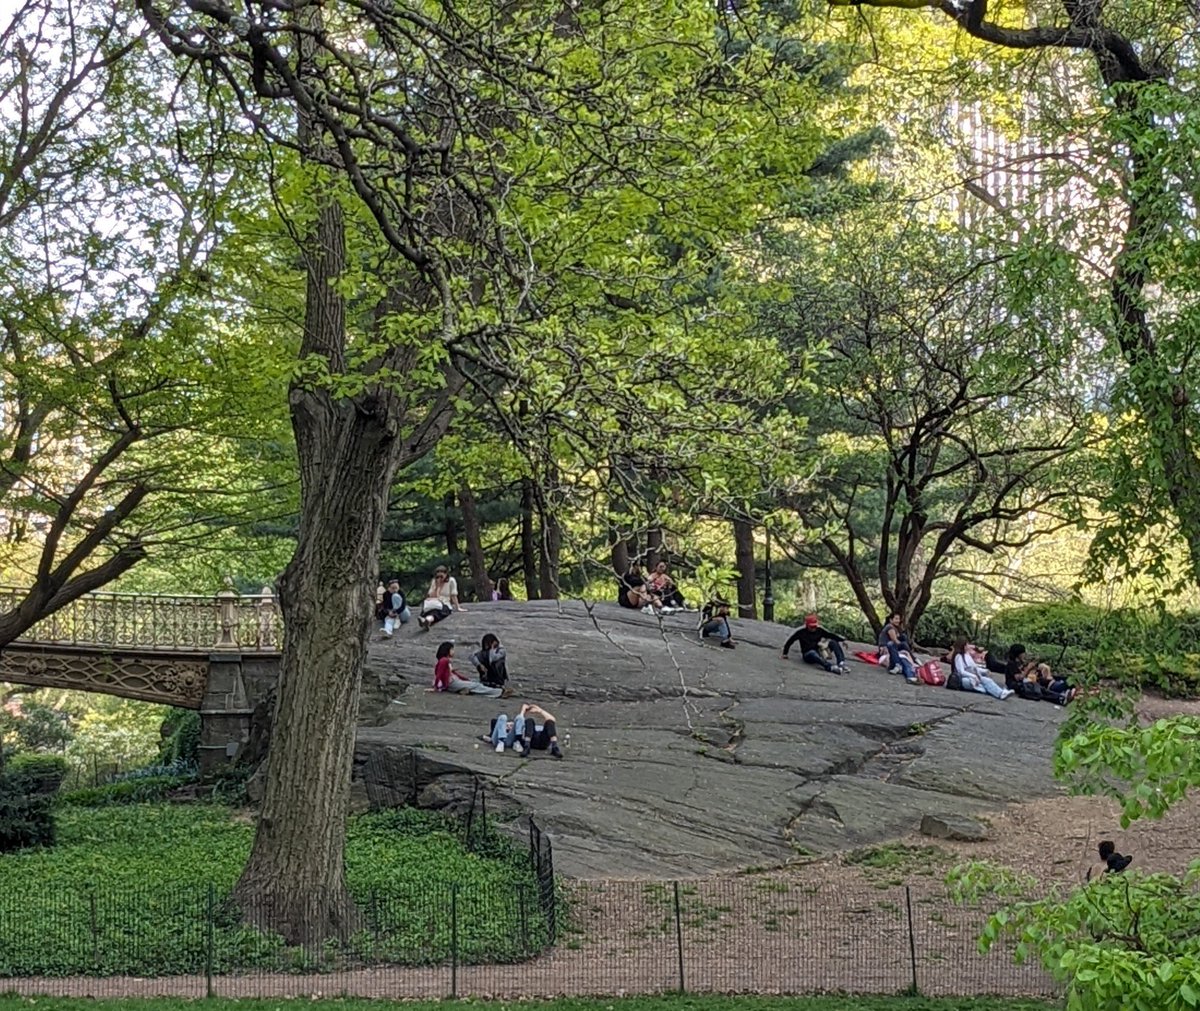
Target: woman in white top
<point>973,677</point>
<point>441,600</point>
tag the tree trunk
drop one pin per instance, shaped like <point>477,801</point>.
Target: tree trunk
<point>529,554</point>
<point>654,540</point>
<point>747,586</point>
<point>620,555</point>
<point>474,539</point>
<point>549,552</point>
<point>294,881</point>
<point>450,531</point>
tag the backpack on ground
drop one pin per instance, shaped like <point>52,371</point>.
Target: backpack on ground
<point>931,673</point>
<point>953,681</point>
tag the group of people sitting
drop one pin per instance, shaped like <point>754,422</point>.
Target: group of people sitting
<point>441,601</point>
<point>533,728</point>
<point>652,594</point>
<point>970,667</point>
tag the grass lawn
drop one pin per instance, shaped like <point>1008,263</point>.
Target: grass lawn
<point>130,889</point>
<point>681,1003</point>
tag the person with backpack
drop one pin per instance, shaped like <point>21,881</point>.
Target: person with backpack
<point>489,661</point>
<point>714,620</point>
<point>812,637</point>
<point>393,610</point>
<point>971,677</point>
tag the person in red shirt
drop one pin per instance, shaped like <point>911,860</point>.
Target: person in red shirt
<point>447,679</point>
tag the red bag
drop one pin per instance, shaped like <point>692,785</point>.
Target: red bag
<point>931,673</point>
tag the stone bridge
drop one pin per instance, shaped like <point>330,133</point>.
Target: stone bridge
<point>217,654</point>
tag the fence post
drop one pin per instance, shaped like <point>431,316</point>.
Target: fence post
<point>912,941</point>
<point>679,936</point>
<point>454,941</point>
<point>209,941</point>
<point>524,893</point>
<point>94,921</point>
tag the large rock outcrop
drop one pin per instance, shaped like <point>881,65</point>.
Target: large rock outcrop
<point>687,759</point>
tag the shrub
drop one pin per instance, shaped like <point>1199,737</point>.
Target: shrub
<point>181,738</point>
<point>942,623</point>
<point>34,773</point>
<point>26,818</point>
<point>126,791</point>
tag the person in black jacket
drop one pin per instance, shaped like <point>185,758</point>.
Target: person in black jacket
<point>810,636</point>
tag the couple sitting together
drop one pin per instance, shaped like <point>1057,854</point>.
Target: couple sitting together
<point>653,594</point>
<point>491,667</point>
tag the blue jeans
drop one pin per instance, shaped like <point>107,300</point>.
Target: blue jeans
<point>501,731</point>
<point>895,659</point>
<point>984,685</point>
<point>718,627</point>
<point>839,656</point>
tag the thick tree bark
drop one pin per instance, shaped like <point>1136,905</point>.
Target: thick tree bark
<point>747,586</point>
<point>529,552</point>
<point>654,541</point>
<point>474,537</point>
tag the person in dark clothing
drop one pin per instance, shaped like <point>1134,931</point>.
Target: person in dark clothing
<point>503,590</point>
<point>633,593</point>
<point>540,736</point>
<point>894,640</point>
<point>490,661</point>
<point>809,636</point>
<point>714,620</point>
<point>1033,680</point>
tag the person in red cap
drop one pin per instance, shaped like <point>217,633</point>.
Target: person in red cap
<point>809,636</point>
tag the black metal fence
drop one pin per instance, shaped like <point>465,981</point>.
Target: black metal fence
<point>767,934</point>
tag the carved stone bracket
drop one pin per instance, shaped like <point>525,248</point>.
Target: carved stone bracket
<point>175,680</point>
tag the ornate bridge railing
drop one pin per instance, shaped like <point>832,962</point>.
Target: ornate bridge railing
<point>137,621</point>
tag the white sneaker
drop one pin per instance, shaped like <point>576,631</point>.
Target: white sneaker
<point>518,748</point>
<point>669,610</point>
<point>1005,694</point>
<point>897,669</point>
<point>499,747</point>
<point>387,634</point>
<point>648,609</point>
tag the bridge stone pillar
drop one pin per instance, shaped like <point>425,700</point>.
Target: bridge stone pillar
<point>225,713</point>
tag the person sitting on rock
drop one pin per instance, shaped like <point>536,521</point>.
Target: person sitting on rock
<point>490,661</point>
<point>811,638</point>
<point>447,679</point>
<point>1033,680</point>
<point>893,639</point>
<point>540,730</point>
<point>972,677</point>
<point>503,590</point>
<point>442,599</point>
<point>633,592</point>
<point>392,609</point>
<point>661,583</point>
<point>714,620</point>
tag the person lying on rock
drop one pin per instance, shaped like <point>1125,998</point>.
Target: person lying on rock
<point>447,679</point>
<point>540,730</point>
<point>506,733</point>
<point>490,661</point>
<point>973,677</point>
<point>815,642</point>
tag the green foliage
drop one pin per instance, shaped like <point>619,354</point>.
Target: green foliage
<point>1120,941</point>
<point>36,773</point>
<point>26,818</point>
<point>942,623</point>
<point>127,791</point>
<point>181,737</point>
<point>115,734</point>
<point>1128,646</point>
<point>127,891</point>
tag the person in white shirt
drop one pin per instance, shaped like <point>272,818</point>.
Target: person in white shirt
<point>442,599</point>
<point>972,677</point>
